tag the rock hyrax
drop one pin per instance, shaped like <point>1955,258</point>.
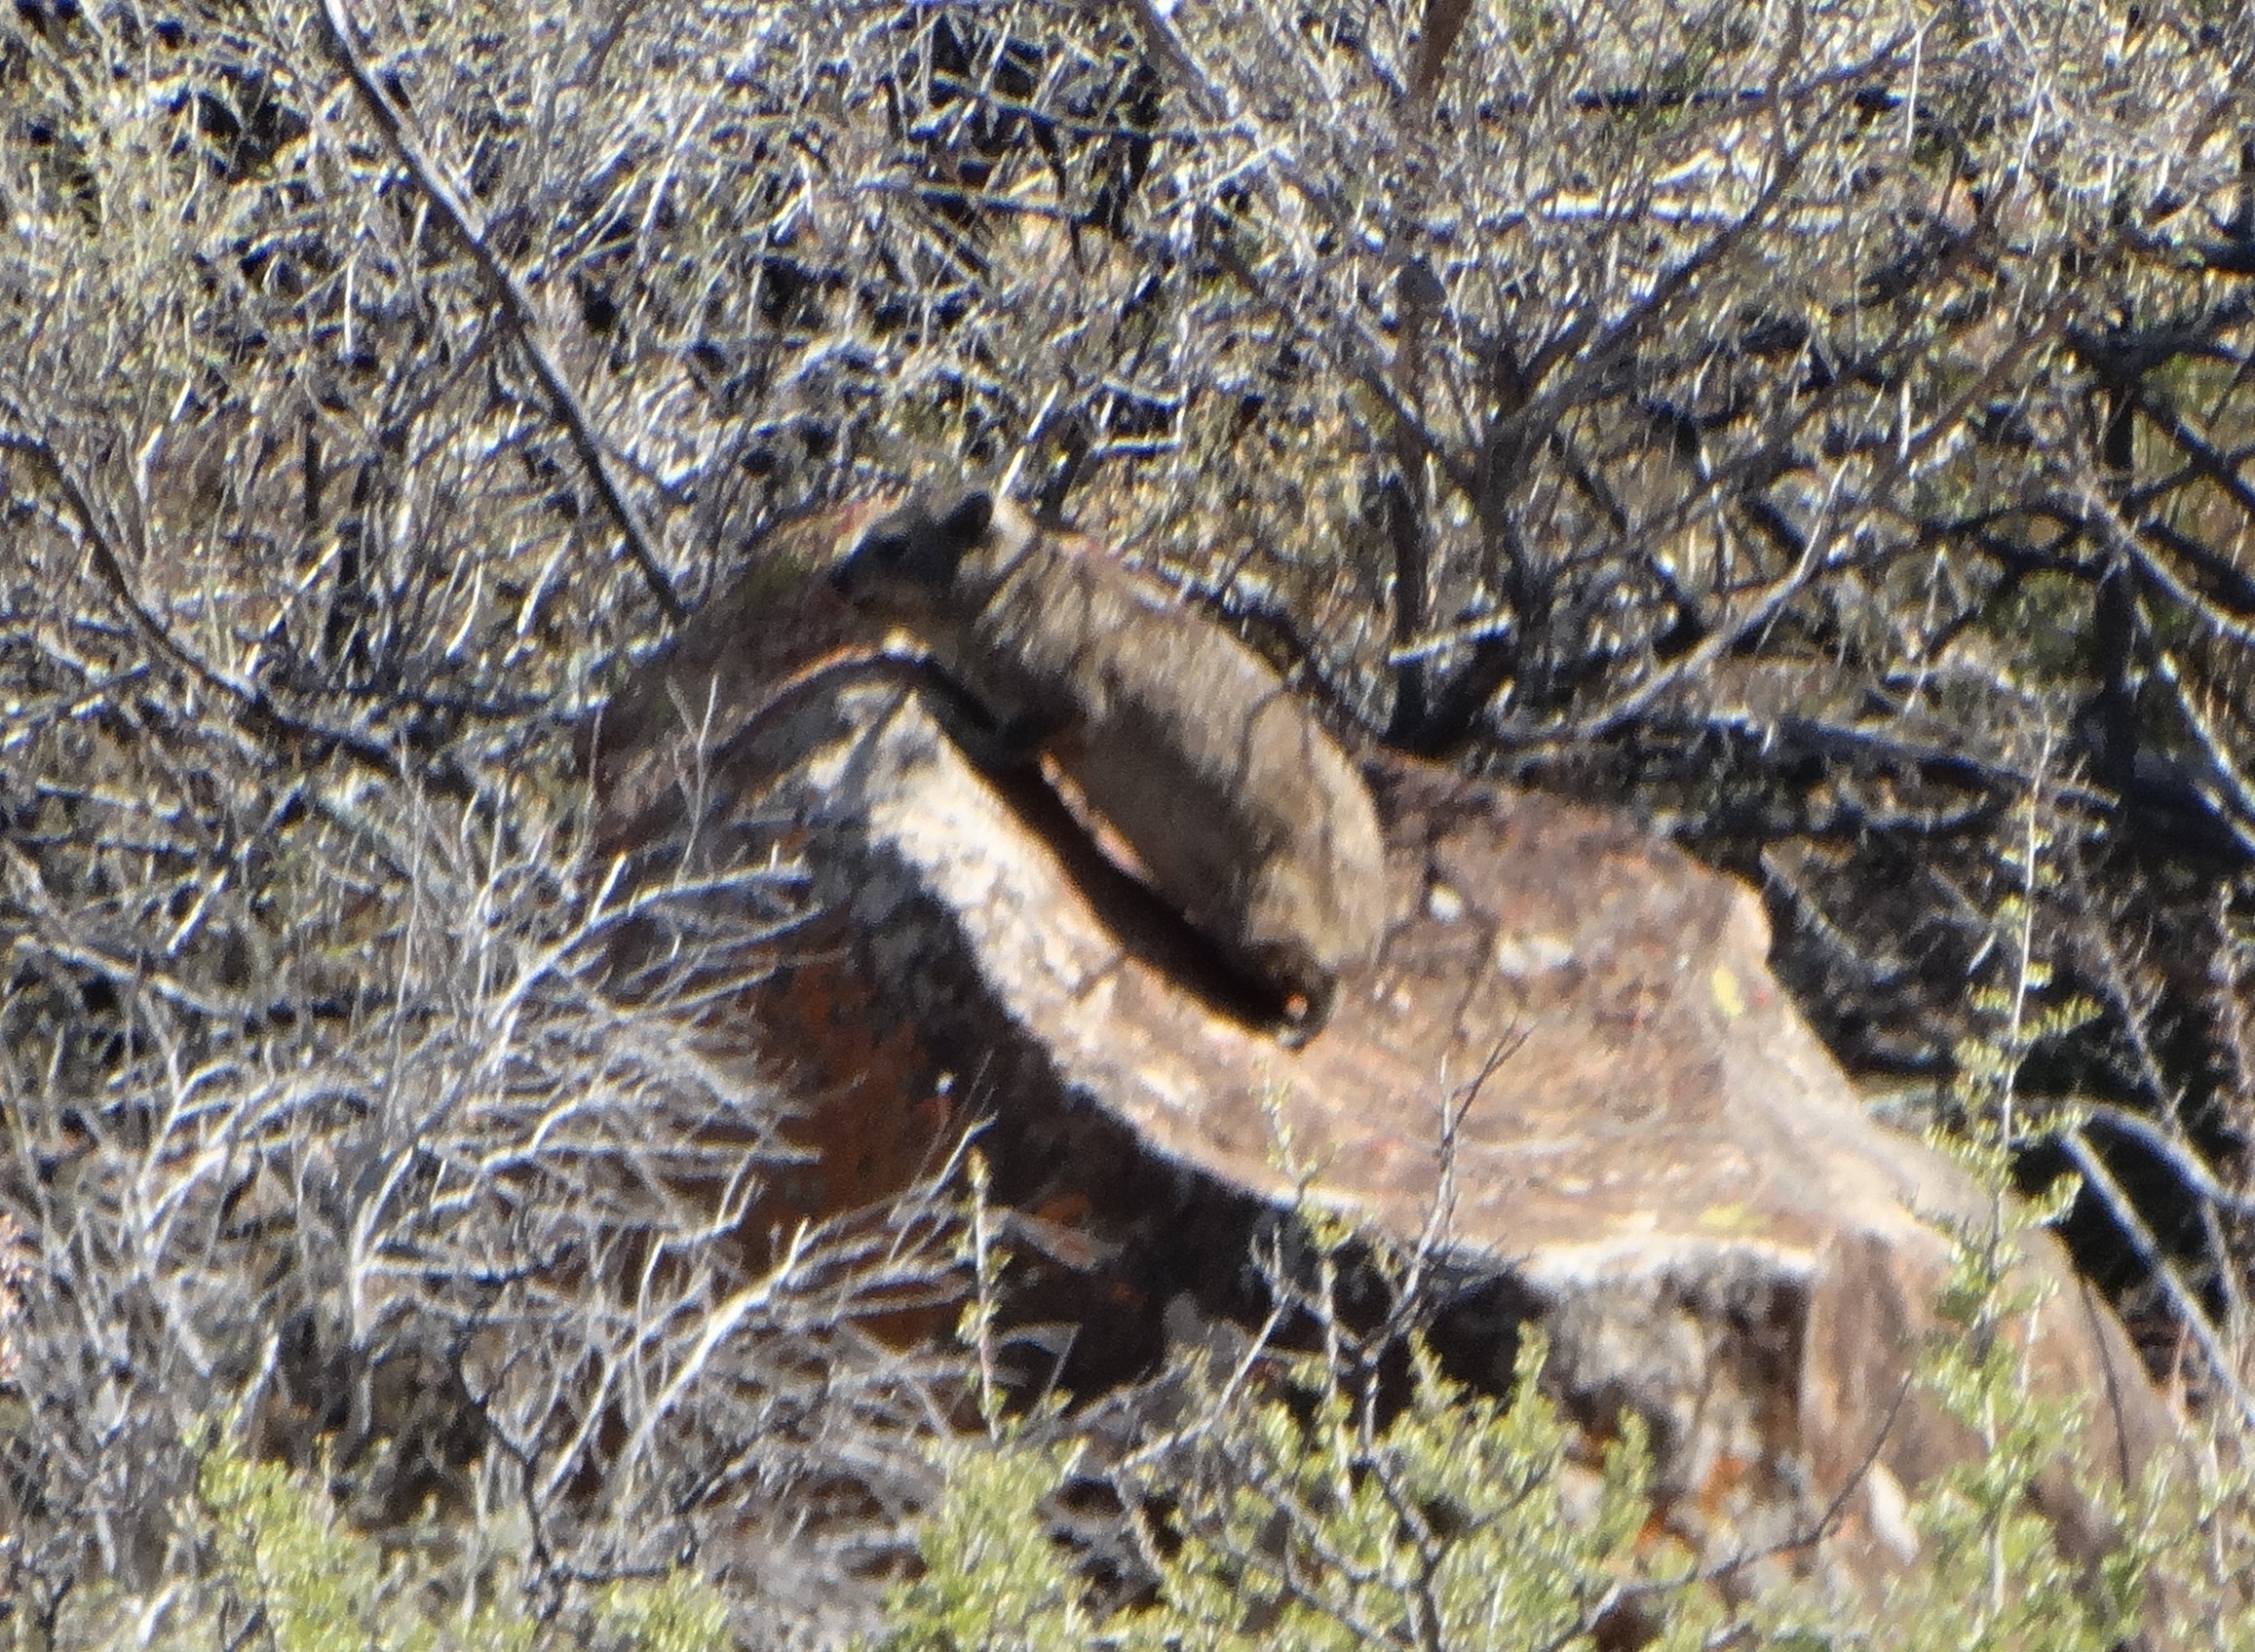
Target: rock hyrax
<point>1249,817</point>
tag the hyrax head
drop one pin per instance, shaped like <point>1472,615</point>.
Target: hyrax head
<point>909,557</point>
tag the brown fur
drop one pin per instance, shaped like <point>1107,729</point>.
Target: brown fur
<point>1245,813</point>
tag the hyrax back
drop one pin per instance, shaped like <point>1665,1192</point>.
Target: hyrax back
<point>1247,816</point>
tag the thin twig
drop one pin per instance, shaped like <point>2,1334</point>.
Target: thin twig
<point>2118,1205</point>
<point>516,307</point>
<point>256,706</point>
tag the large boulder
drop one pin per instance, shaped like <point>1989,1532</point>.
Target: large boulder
<point>1569,1063</point>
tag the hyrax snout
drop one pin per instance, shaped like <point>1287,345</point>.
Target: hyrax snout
<point>1246,815</point>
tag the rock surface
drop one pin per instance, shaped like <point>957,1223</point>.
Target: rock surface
<point>1569,1059</point>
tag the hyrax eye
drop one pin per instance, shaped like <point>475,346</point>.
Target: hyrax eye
<point>884,548</point>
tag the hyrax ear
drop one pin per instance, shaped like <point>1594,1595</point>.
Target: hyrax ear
<point>964,521</point>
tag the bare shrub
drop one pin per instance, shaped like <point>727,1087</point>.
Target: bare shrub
<point>491,1228</point>
<point>1812,426</point>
